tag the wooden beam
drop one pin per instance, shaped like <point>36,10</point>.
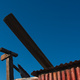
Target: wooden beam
<point>23,36</point>
<point>9,68</point>
<point>9,62</point>
<point>23,73</point>
<point>4,56</point>
<point>16,68</point>
<point>8,52</point>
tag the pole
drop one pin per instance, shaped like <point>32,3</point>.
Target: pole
<point>9,68</point>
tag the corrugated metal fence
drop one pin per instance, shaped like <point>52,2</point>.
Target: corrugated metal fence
<point>68,74</point>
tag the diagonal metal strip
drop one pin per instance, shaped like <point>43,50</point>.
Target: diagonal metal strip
<point>23,36</point>
<point>23,73</point>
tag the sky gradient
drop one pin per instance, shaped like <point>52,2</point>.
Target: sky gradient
<point>54,25</point>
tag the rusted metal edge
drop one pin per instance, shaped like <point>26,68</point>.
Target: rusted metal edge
<point>57,68</point>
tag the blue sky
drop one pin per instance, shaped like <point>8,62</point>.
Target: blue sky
<point>54,25</point>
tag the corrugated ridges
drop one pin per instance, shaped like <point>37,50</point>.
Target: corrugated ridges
<point>57,68</point>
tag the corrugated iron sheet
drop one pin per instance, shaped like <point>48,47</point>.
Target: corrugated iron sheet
<point>68,67</point>
<point>68,74</point>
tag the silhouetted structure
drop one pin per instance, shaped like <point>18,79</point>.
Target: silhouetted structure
<point>23,36</point>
